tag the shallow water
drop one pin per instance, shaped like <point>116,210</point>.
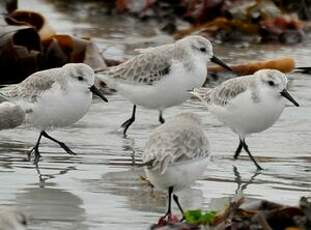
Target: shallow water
<point>100,189</point>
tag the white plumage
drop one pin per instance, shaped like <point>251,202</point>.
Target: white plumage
<point>12,219</point>
<point>248,104</point>
<point>176,154</point>
<point>160,77</point>
<point>53,98</point>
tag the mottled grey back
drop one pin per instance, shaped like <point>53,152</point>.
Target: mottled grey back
<point>33,86</point>
<point>178,140</point>
<point>149,67</point>
<point>225,92</point>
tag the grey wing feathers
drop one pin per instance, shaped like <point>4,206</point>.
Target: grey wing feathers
<point>204,94</point>
<point>34,85</point>
<point>175,146</point>
<point>224,93</point>
<point>146,68</point>
<point>9,92</point>
<point>3,98</point>
<point>229,90</point>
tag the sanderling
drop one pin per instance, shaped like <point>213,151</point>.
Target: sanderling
<point>176,154</point>
<point>248,104</point>
<point>11,115</point>
<point>54,98</point>
<point>12,219</point>
<point>159,77</point>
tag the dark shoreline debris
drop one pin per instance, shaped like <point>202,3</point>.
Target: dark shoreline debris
<point>259,214</point>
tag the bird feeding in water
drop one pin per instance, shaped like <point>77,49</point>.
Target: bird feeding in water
<point>175,155</point>
<point>54,98</point>
<point>248,104</point>
<point>160,77</point>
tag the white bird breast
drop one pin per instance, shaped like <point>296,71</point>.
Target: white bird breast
<point>170,91</point>
<point>59,108</point>
<point>179,175</point>
<point>244,116</point>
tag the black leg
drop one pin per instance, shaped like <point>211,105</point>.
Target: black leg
<point>238,150</point>
<point>250,155</point>
<point>61,144</point>
<point>175,197</point>
<point>35,151</point>
<point>128,122</point>
<point>169,210</point>
<point>161,119</point>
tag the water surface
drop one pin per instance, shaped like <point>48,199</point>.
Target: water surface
<point>100,189</point>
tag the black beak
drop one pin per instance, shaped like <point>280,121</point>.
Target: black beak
<point>94,90</point>
<point>216,60</point>
<point>285,94</point>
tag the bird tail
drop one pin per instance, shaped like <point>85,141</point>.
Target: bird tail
<point>3,98</point>
<point>203,94</point>
<point>4,92</point>
<point>145,164</point>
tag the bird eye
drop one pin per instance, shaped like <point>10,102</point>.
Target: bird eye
<point>202,49</point>
<point>24,222</point>
<point>80,78</point>
<point>271,83</point>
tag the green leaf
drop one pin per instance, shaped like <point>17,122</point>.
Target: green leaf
<point>208,217</point>
<point>193,216</point>
<point>198,217</point>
